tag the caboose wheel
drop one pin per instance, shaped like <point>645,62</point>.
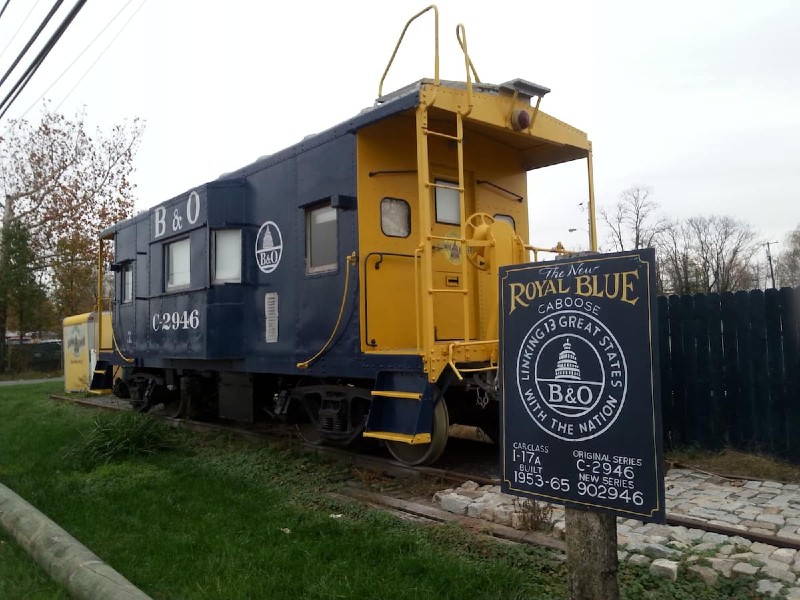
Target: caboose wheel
<point>423,454</point>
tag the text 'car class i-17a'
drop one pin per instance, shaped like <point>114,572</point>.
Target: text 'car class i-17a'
<point>348,283</point>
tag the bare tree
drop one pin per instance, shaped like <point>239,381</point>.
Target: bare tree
<point>724,248</point>
<point>633,221</point>
<point>678,269</point>
<point>787,267</point>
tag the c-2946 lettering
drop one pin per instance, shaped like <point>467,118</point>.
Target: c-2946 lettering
<point>172,321</point>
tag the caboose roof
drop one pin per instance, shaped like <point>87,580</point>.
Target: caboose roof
<point>565,143</point>
<point>408,97</point>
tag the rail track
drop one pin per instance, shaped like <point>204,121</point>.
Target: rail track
<point>393,468</point>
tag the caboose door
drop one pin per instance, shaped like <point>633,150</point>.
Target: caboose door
<point>389,236</point>
<point>447,255</point>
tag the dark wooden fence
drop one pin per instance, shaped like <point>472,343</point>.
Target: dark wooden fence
<point>730,370</point>
<point>36,356</point>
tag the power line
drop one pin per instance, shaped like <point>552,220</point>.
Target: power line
<point>29,72</point>
<point>16,33</point>
<point>35,35</point>
<point>77,58</point>
<point>5,6</point>
<point>114,39</point>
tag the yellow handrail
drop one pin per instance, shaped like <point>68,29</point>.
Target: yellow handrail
<point>466,55</point>
<point>99,297</point>
<point>351,260</point>
<point>436,46</point>
<point>557,249</point>
<point>461,36</point>
<point>116,347</point>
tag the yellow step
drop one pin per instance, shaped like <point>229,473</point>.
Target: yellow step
<point>420,438</point>
<point>395,394</point>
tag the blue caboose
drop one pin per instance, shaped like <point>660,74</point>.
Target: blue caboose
<point>349,281</point>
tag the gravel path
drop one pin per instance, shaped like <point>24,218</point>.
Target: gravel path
<point>763,507</point>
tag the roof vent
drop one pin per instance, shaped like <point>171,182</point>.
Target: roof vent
<point>525,88</point>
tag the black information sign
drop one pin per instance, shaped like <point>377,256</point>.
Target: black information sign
<point>580,399</point>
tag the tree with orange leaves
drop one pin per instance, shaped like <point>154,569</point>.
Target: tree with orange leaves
<point>64,184</point>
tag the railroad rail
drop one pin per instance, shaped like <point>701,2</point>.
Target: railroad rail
<point>394,468</point>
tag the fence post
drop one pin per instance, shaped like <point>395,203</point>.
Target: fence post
<point>667,407</point>
<point>701,399</point>
<point>746,389</point>
<point>716,391</point>
<point>758,338</point>
<point>678,378</point>
<point>730,355</point>
<point>776,406</point>
<point>689,367</point>
<point>790,324</point>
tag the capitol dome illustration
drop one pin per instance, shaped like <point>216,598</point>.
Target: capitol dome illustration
<point>267,242</point>
<point>567,366</point>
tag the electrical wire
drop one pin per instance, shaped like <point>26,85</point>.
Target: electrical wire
<point>29,72</point>
<point>25,20</point>
<point>5,6</point>
<point>77,58</point>
<point>86,72</point>
<point>35,35</point>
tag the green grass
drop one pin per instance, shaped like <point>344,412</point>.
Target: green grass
<point>21,578</point>
<point>215,517</point>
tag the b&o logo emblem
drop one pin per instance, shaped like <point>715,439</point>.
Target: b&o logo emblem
<point>76,341</point>
<point>571,375</point>
<point>269,247</point>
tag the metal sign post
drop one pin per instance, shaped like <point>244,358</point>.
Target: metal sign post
<point>581,414</point>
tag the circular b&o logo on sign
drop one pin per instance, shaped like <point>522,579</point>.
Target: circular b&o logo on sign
<point>269,247</point>
<point>571,375</point>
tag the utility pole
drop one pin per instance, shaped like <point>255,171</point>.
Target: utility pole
<point>769,260</point>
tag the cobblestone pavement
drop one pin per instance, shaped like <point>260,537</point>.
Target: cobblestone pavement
<point>764,507</point>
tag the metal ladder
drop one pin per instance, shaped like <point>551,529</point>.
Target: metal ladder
<point>423,275</point>
<point>426,192</point>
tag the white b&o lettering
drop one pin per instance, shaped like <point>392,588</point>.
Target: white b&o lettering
<point>193,208</point>
<point>161,221</point>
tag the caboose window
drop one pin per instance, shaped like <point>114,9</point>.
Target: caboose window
<point>127,283</point>
<point>227,261</point>
<point>448,210</point>
<point>507,218</point>
<point>395,217</point>
<point>177,264</point>
<point>321,239</point>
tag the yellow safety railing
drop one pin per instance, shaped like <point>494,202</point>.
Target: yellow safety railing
<point>461,36</point>
<point>400,41</point>
<point>99,296</point>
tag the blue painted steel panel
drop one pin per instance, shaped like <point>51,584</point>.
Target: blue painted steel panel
<point>229,326</point>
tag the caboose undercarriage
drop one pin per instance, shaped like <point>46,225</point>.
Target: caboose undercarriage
<point>330,412</point>
<point>348,283</point>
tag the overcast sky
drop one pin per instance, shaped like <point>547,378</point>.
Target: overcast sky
<point>698,100</point>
